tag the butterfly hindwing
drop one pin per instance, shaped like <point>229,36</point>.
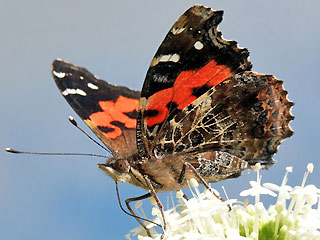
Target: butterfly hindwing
<point>247,116</point>
<point>110,111</point>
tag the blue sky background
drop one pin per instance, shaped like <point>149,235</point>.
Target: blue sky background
<point>69,197</point>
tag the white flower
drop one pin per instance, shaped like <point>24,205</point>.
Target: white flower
<point>206,217</point>
<point>256,189</point>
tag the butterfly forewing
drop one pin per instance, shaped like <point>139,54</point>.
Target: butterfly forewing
<point>192,59</point>
<point>110,111</point>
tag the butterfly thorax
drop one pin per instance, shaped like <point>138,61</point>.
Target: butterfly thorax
<point>164,174</point>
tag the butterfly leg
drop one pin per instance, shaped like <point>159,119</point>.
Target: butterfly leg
<point>133,215</point>
<point>129,200</point>
<point>154,194</point>
<point>204,182</point>
<point>182,174</point>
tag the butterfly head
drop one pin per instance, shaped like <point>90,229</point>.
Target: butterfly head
<point>117,169</point>
<point>120,170</point>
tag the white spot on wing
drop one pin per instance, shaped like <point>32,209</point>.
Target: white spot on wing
<point>176,31</point>
<point>73,91</point>
<point>92,86</point>
<point>59,74</point>
<point>165,58</point>
<point>81,77</point>
<point>175,58</point>
<point>198,45</point>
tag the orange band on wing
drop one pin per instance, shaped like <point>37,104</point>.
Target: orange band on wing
<point>158,102</point>
<point>182,91</point>
<point>114,111</point>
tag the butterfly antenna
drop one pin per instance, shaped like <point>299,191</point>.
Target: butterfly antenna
<point>11,150</point>
<point>74,123</point>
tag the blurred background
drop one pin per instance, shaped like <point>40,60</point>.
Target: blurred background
<point>44,197</point>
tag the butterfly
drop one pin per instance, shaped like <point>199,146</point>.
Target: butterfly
<point>201,113</point>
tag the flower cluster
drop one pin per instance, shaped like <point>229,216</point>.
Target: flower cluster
<point>206,217</point>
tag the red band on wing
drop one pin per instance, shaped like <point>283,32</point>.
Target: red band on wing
<point>182,91</point>
<point>114,111</point>
<point>158,102</point>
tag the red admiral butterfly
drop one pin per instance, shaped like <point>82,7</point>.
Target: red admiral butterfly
<point>201,113</point>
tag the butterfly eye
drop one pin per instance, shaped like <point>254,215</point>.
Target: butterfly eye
<point>121,166</point>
